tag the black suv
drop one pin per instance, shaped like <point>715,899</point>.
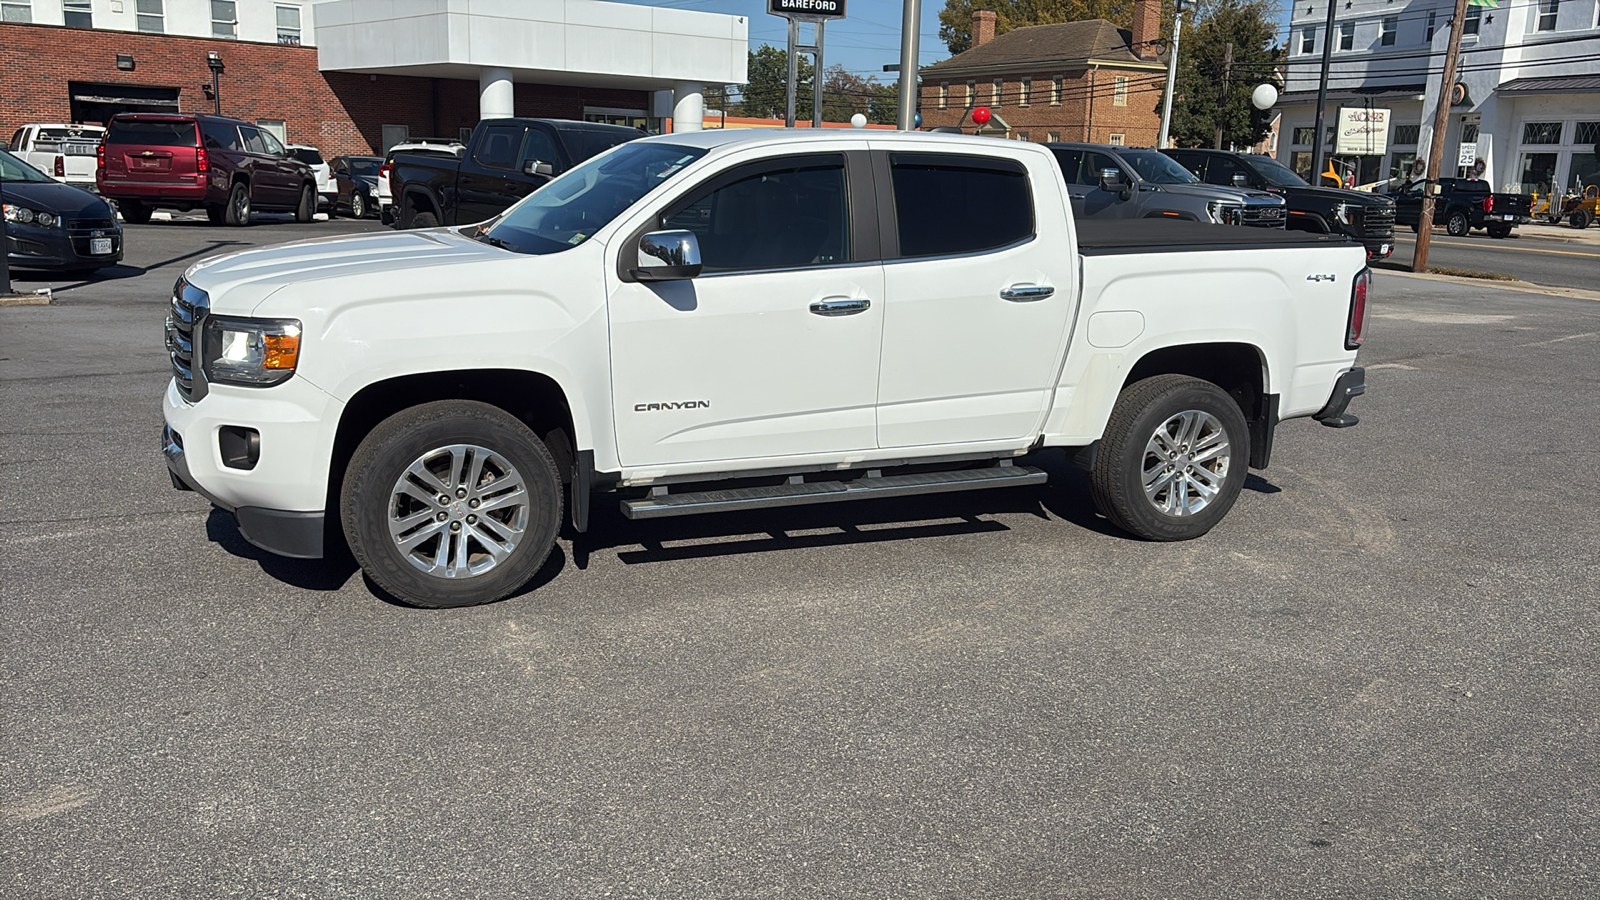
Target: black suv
<point>1368,218</point>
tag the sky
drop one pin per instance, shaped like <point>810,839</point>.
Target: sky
<point>863,42</point>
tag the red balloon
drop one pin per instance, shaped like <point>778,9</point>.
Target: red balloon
<point>981,115</point>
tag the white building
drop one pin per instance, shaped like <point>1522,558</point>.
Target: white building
<point>264,21</point>
<point>1527,101</point>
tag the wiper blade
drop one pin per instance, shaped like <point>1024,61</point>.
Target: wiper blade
<point>495,242</point>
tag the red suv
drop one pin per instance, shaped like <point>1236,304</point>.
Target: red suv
<point>227,166</point>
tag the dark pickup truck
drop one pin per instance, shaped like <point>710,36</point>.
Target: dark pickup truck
<point>1462,205</point>
<point>1368,218</point>
<point>504,161</point>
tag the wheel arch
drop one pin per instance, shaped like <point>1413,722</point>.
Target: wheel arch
<point>1239,368</point>
<point>419,198</point>
<point>532,397</point>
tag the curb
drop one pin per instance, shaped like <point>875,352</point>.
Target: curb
<point>1521,286</point>
<point>35,298</point>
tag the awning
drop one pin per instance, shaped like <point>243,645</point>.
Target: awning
<point>131,101</point>
<point>1561,84</point>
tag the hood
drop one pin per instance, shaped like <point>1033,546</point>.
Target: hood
<point>1218,192</point>
<point>1336,195</point>
<point>57,199</point>
<point>238,282</point>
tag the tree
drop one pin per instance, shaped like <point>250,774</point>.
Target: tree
<point>845,94</point>
<point>955,20</point>
<point>1199,104</point>
<point>765,93</point>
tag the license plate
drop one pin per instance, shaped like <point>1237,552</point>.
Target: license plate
<point>1383,249</point>
<point>1508,218</point>
<point>99,246</point>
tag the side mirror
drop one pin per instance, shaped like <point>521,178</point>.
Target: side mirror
<point>1111,180</point>
<point>538,167</point>
<point>668,256</point>
<point>1241,180</point>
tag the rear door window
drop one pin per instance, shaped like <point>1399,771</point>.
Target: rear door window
<point>1222,170</point>
<point>151,133</point>
<point>498,149</point>
<point>949,205</point>
<point>1194,162</point>
<point>1071,162</point>
<point>221,136</point>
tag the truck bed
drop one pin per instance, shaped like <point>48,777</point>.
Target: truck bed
<point>1099,237</point>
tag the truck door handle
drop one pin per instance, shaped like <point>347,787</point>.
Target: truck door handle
<point>1027,293</point>
<point>841,306</point>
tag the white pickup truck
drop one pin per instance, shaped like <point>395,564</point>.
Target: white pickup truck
<point>64,152</point>
<point>731,320</point>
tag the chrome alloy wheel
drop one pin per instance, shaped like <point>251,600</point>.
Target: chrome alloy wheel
<point>458,511</point>
<point>1185,463</point>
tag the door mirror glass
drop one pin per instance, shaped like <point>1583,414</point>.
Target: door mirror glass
<point>1240,179</point>
<point>538,167</point>
<point>1111,180</point>
<point>668,256</point>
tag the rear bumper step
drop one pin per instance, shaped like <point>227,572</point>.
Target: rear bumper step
<point>660,504</point>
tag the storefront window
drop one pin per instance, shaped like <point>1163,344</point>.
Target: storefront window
<point>1300,162</point>
<point>1538,173</point>
<point>1541,133</point>
<point>1400,168</point>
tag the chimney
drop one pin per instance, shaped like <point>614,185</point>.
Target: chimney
<point>983,25</point>
<point>1146,28</point>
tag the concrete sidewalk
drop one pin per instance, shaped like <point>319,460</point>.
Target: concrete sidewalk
<point>1562,232</point>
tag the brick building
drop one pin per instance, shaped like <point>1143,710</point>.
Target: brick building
<point>1078,81</point>
<point>367,75</point>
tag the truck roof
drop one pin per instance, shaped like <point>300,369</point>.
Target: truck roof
<point>717,138</point>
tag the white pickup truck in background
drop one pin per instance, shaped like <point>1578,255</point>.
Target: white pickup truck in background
<point>743,319</point>
<point>66,153</point>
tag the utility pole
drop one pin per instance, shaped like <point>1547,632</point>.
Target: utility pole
<point>1441,121</point>
<point>1222,97</point>
<point>910,31</point>
<point>1319,141</point>
<point>794,73</point>
<point>1172,77</point>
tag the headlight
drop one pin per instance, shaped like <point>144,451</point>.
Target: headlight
<point>1223,213</point>
<point>372,190</point>
<point>25,216</point>
<point>251,352</point>
<point>1342,213</point>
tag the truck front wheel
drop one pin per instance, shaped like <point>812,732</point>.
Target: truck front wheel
<point>1173,459</point>
<point>1458,225</point>
<point>452,503</point>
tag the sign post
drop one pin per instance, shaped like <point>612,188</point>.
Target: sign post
<point>817,12</point>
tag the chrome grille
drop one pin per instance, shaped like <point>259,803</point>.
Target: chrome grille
<point>189,306</point>
<point>1263,216</point>
<point>91,223</point>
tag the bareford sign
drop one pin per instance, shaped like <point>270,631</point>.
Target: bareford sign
<point>812,9</point>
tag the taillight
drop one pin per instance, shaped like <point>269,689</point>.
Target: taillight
<point>202,161</point>
<point>100,156</point>
<point>1488,203</point>
<point>1356,333</point>
<point>383,172</point>
<point>61,166</point>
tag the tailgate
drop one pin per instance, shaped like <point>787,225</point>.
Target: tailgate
<point>152,150</point>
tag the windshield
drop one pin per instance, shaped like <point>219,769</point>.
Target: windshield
<point>1275,173</point>
<point>13,169</point>
<point>583,143</point>
<point>307,155</point>
<point>363,165</point>
<point>570,209</point>
<point>1158,167</point>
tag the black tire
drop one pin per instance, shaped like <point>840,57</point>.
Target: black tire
<point>237,212</point>
<point>1458,225</point>
<point>217,215</point>
<point>307,207</point>
<point>1117,479</point>
<point>133,211</point>
<point>1580,219</point>
<point>424,220</point>
<point>358,206</point>
<point>369,498</point>
<point>1499,231</point>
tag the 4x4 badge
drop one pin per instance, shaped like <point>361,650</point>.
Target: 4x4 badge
<point>1319,277</point>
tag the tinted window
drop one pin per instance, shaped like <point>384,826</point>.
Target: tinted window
<point>539,147</point>
<point>13,169</point>
<point>153,134</point>
<point>308,156</point>
<point>1094,163</point>
<point>220,136</point>
<point>1158,167</point>
<point>498,149</point>
<point>252,139</point>
<point>583,143</point>
<point>270,142</point>
<point>1071,163</point>
<point>1274,173</point>
<point>363,165</point>
<point>777,219</point>
<point>1222,170</point>
<point>943,209</point>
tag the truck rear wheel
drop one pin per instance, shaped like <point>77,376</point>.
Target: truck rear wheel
<point>1173,459</point>
<point>424,220</point>
<point>452,503</point>
<point>1580,219</point>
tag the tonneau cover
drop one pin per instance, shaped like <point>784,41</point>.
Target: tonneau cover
<point>1099,237</point>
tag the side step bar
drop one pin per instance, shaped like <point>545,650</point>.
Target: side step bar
<point>661,503</point>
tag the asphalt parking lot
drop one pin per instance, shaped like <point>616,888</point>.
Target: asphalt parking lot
<point>1376,678</point>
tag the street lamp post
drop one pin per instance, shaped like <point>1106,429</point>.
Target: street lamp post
<point>910,28</point>
<point>1172,77</point>
<point>214,62</point>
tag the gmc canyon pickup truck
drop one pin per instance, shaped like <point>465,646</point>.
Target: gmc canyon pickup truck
<point>731,320</point>
<point>504,161</point>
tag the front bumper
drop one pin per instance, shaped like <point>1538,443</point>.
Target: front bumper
<point>1350,385</point>
<point>31,247</point>
<point>280,501</point>
<point>1379,247</point>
